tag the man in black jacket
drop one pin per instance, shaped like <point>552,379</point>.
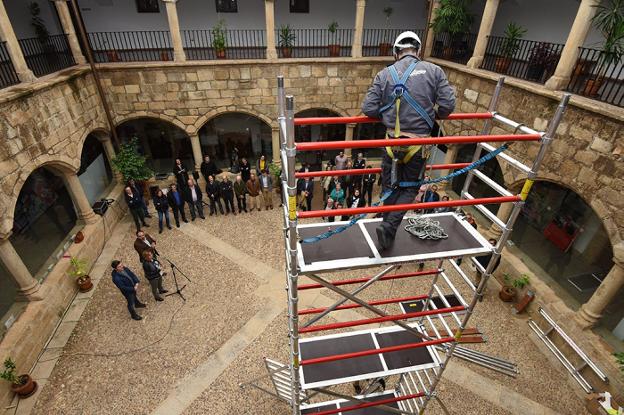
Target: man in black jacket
<point>137,189</point>
<point>367,188</point>
<point>181,174</point>
<point>305,189</point>
<point>359,163</point>
<point>227,193</point>
<point>176,201</point>
<point>136,208</point>
<point>193,196</point>
<point>245,170</point>
<point>208,168</point>
<point>127,282</point>
<point>213,190</point>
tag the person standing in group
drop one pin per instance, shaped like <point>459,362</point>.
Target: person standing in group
<point>404,95</point>
<point>176,201</point>
<point>266,184</point>
<point>305,189</point>
<point>329,206</point>
<point>261,165</point>
<point>180,173</point>
<point>154,273</point>
<point>368,182</point>
<point>136,208</point>
<point>144,242</point>
<point>227,193</point>
<point>431,195</point>
<point>208,168</point>
<point>422,190</point>
<point>193,196</point>
<point>128,284</point>
<point>162,208</point>
<point>245,170</point>
<point>338,195</point>
<point>253,189</point>
<point>341,161</point>
<point>359,163</point>
<point>355,200</point>
<point>137,189</point>
<point>240,190</point>
<point>326,182</point>
<point>445,208</point>
<point>213,190</point>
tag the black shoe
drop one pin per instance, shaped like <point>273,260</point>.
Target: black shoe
<point>148,216</point>
<point>146,225</point>
<point>185,221</point>
<point>193,219</point>
<point>160,230</point>
<point>177,225</point>
<point>163,291</point>
<point>203,217</point>
<point>383,238</point>
<point>212,213</point>
<point>137,317</point>
<point>140,305</point>
<point>159,299</point>
<point>169,227</point>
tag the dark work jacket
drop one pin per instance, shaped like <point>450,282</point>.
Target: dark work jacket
<point>302,186</point>
<point>213,190</point>
<point>189,197</point>
<point>431,196</point>
<point>484,260</point>
<point>351,199</point>
<point>151,270</point>
<point>137,190</point>
<point>209,169</point>
<point>240,188</point>
<point>245,171</point>
<point>125,284</point>
<point>369,181</point>
<point>359,164</point>
<point>161,203</point>
<point>181,175</point>
<point>172,201</point>
<point>227,189</point>
<point>133,202</point>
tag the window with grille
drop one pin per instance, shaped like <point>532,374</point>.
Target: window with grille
<point>227,6</point>
<point>299,6</point>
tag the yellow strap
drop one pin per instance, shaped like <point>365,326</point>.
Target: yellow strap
<point>397,134</point>
<point>397,123</point>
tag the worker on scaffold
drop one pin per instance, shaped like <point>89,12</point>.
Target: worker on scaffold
<point>404,95</point>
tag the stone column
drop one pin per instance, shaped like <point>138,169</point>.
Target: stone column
<point>451,154</point>
<point>174,30</point>
<point>356,49</point>
<point>197,153</point>
<point>27,286</point>
<point>504,211</point>
<point>15,51</point>
<point>349,137</point>
<point>275,143</point>
<point>487,21</point>
<point>430,35</point>
<point>68,28</point>
<point>83,207</point>
<point>109,150</point>
<point>590,312</point>
<point>569,55</point>
<point>269,16</point>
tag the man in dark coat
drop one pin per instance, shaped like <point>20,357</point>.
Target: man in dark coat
<point>176,201</point>
<point>193,197</point>
<point>227,193</point>
<point>209,168</point>
<point>359,163</point>
<point>137,189</point>
<point>127,283</point>
<point>368,182</point>
<point>213,190</point>
<point>181,174</point>
<point>144,242</point>
<point>245,170</point>
<point>240,190</point>
<point>305,188</point>
<point>136,208</point>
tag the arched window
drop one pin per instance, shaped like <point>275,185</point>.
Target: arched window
<point>235,135</point>
<point>95,172</point>
<point>323,132</point>
<point>43,220</point>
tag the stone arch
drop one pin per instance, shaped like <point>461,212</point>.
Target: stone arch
<point>101,131</point>
<point>326,107</point>
<point>122,118</point>
<point>202,120</point>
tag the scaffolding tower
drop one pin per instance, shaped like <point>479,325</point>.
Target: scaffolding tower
<point>414,351</point>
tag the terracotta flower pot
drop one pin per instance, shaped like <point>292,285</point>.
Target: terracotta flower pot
<point>507,293</point>
<point>286,52</point>
<point>502,64</point>
<point>26,387</point>
<point>334,50</point>
<point>79,237</point>
<point>112,56</point>
<point>384,49</point>
<point>592,86</point>
<point>84,284</point>
<point>220,53</point>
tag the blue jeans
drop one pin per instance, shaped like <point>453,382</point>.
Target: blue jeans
<point>160,219</point>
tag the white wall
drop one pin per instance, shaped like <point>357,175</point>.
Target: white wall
<point>121,15</point>
<point>194,14</point>
<point>405,15</point>
<point>322,13</point>
<point>20,17</point>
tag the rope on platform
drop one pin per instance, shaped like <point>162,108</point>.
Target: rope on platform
<point>425,228</point>
<point>387,194</point>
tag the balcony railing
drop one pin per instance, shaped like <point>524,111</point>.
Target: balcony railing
<point>135,46</point>
<point>315,43</point>
<point>8,76</point>
<point>47,56</point>
<point>597,75</point>
<point>378,42</point>
<point>525,59</point>
<point>454,48</point>
<point>239,44</point>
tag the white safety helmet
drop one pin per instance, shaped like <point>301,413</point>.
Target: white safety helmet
<point>406,40</point>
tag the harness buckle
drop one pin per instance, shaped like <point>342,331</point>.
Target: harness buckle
<point>399,89</point>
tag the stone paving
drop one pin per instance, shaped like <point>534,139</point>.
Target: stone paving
<point>190,357</point>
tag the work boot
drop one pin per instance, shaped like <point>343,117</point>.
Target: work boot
<point>159,299</point>
<point>140,305</point>
<point>383,238</point>
<point>136,317</point>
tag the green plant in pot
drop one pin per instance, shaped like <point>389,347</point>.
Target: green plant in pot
<point>609,20</point>
<point>452,17</point>
<point>130,163</point>
<point>219,40</point>
<point>510,46</point>
<point>334,42</point>
<point>521,282</point>
<point>385,47</point>
<point>542,59</point>
<point>507,292</point>
<point>286,40</point>
<point>78,271</point>
<point>22,385</point>
<point>43,35</point>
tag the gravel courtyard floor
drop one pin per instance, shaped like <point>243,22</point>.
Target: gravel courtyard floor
<point>190,357</point>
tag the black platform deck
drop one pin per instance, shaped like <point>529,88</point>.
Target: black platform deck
<point>365,367</point>
<point>343,403</point>
<point>358,247</point>
<point>414,306</point>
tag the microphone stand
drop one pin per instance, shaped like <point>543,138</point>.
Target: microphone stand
<point>179,289</point>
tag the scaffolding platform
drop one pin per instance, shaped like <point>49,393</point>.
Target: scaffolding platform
<point>338,404</point>
<point>357,247</point>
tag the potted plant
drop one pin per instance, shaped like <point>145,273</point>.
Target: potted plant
<point>334,48</point>
<point>542,57</point>
<point>609,20</point>
<point>130,163</point>
<point>22,385</point>
<point>385,47</point>
<point>78,271</point>
<point>507,292</point>
<point>453,17</point>
<point>286,40</point>
<point>510,46</point>
<point>219,42</point>
<point>521,282</point>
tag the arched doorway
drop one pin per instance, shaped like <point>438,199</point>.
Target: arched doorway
<point>477,188</point>
<point>160,141</point>
<point>43,219</point>
<point>235,133</point>
<point>95,173</point>
<point>323,132</point>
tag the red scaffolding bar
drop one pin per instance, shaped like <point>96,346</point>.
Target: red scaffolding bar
<point>370,404</point>
<point>355,172</point>
<point>384,319</point>
<point>366,279</point>
<point>377,302</point>
<point>388,349</point>
<point>406,207</point>
<point>382,142</point>
<point>362,119</point>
